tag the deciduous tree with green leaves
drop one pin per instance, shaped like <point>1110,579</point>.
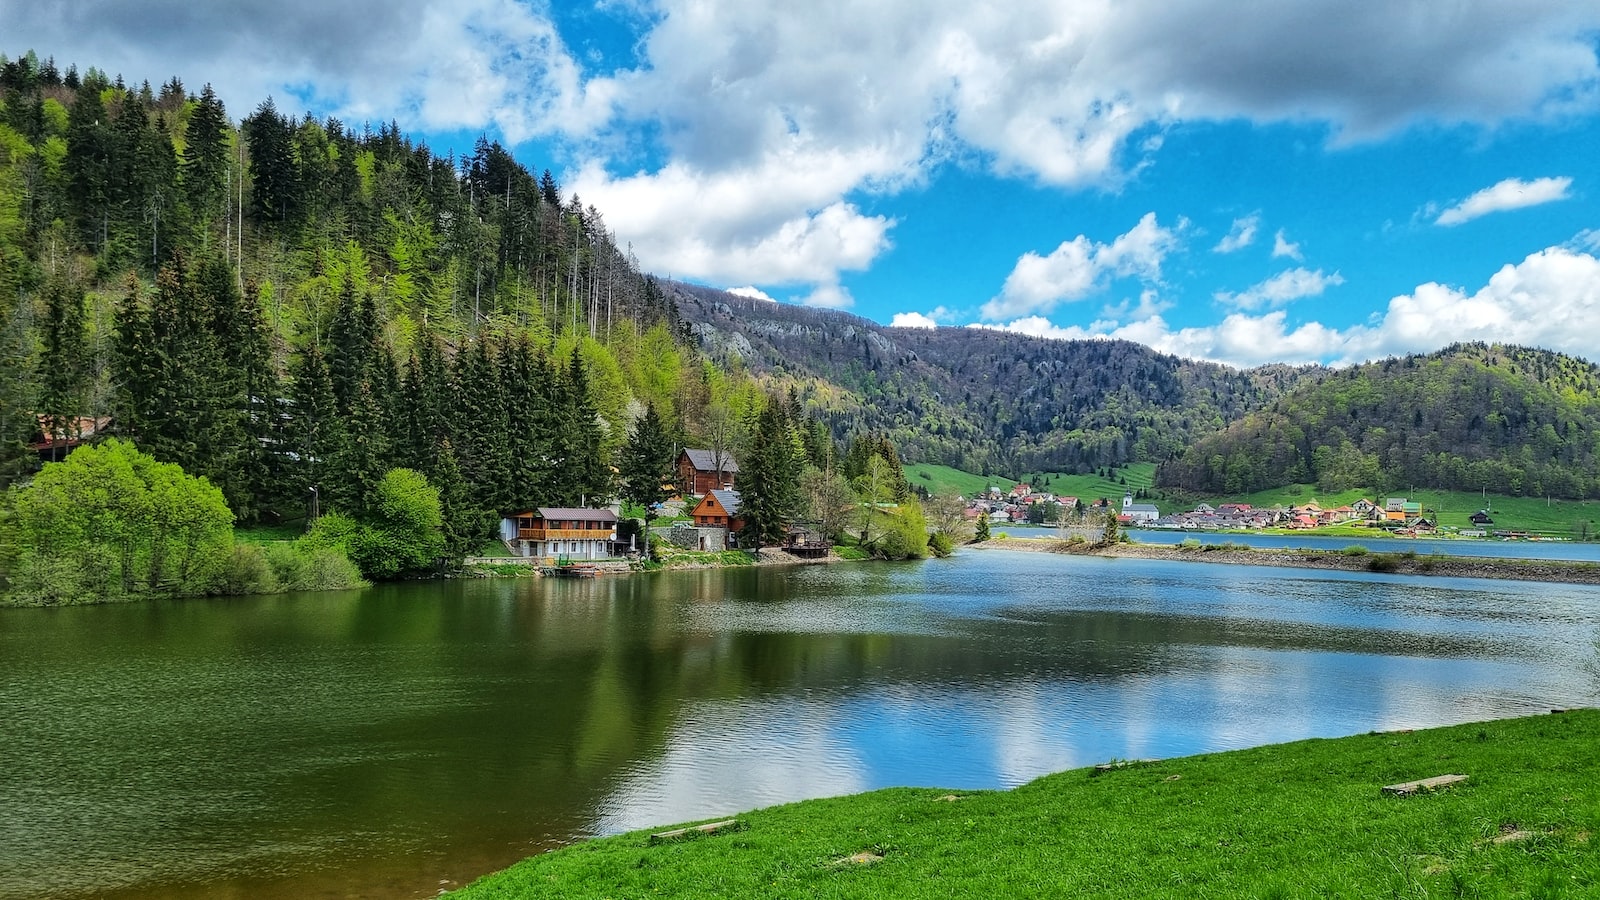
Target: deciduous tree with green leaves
<point>110,521</point>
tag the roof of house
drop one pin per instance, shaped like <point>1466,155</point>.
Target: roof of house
<point>1142,508</point>
<point>729,500</point>
<point>575,515</point>
<point>706,460</point>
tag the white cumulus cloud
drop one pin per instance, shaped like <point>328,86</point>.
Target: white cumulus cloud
<point>1240,236</point>
<point>1282,289</point>
<point>770,224</point>
<point>1512,193</point>
<point>1080,267</point>
<point>751,291</point>
<point>1283,247</point>
<point>1551,299</point>
<point>912,320</point>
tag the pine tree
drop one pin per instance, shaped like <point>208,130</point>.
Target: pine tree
<point>91,149</point>
<point>769,479</point>
<point>316,431</point>
<point>63,375</point>
<point>274,172</point>
<point>357,464</point>
<point>645,462</point>
<point>525,382</point>
<point>205,159</point>
<point>480,434</point>
<point>582,476</point>
<point>465,525</point>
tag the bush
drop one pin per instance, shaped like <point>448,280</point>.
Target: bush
<point>893,545</point>
<point>303,566</point>
<point>1354,550</point>
<point>248,572</point>
<point>941,544</point>
<point>1189,544</point>
<point>1383,562</point>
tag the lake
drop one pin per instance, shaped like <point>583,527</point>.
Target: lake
<point>400,740</point>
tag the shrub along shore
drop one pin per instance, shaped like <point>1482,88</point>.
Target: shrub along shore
<point>1350,559</point>
<point>1305,819</point>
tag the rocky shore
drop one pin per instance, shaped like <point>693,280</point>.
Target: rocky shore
<point>1405,563</point>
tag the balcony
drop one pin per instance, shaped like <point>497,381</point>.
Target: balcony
<point>564,534</point>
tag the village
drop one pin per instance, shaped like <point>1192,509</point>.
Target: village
<point>1398,515</point>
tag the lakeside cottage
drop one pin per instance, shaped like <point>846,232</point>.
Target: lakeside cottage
<point>702,471</point>
<point>717,519</point>
<point>552,532</point>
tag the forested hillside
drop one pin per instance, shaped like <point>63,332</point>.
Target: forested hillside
<point>292,307</point>
<point>981,400</point>
<point>1511,420</point>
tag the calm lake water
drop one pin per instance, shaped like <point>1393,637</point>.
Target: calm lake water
<point>404,739</point>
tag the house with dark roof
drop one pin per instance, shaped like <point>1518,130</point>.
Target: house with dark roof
<point>553,532</point>
<point>719,509</point>
<point>702,471</point>
<point>716,519</point>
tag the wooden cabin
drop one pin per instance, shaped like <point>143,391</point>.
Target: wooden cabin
<point>553,532</point>
<point>703,471</point>
<point>719,509</point>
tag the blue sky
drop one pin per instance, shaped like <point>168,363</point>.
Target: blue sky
<point>1291,182</point>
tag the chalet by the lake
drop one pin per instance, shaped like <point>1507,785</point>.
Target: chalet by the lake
<point>702,471</point>
<point>554,532</point>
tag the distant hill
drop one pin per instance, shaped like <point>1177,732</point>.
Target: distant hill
<point>981,400</point>
<point>1510,420</point>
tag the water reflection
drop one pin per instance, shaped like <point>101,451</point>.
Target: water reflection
<point>391,741</point>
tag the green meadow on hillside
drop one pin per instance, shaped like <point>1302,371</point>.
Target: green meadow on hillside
<point>943,480</point>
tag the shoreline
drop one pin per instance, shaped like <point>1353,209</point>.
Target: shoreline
<point>1379,562</point>
<point>1230,821</point>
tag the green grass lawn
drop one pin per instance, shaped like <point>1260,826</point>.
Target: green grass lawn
<point>1299,820</point>
<point>942,480</point>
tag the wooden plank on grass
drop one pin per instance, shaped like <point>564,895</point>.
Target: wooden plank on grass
<point>694,831</point>
<point>1435,783</point>
<point>1114,765</point>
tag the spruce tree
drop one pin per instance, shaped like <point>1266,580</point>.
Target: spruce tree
<point>63,374</point>
<point>769,479</point>
<point>316,430</point>
<point>480,434</point>
<point>357,464</point>
<point>205,159</point>
<point>645,462</point>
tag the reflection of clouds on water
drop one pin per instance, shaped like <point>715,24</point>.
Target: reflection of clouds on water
<point>998,671</point>
<point>1042,730</point>
<point>726,757</point>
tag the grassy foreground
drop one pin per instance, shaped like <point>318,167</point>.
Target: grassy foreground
<point>1305,819</point>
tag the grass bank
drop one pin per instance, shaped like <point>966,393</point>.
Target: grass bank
<point>1306,819</point>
